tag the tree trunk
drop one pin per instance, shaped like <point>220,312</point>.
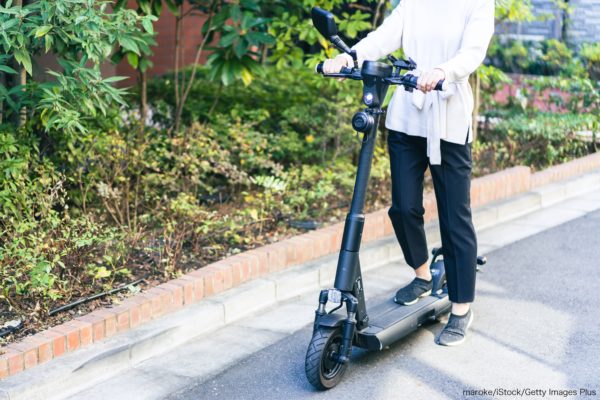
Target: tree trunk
<point>187,86</point>
<point>178,21</point>
<point>3,83</point>
<point>143,102</point>
<point>22,119</point>
<point>565,22</point>
<point>22,73</point>
<point>265,53</point>
<point>377,14</point>
<point>476,85</point>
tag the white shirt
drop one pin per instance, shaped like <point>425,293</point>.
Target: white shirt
<point>452,35</point>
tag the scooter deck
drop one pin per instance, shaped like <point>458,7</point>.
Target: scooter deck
<point>390,322</point>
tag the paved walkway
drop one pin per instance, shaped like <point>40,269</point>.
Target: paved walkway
<point>535,328</point>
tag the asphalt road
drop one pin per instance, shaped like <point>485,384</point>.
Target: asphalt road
<point>535,329</point>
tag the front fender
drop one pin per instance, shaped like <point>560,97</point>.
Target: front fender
<point>330,320</point>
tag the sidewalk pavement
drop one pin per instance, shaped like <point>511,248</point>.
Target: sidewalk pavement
<point>534,336</point>
<point>215,334</point>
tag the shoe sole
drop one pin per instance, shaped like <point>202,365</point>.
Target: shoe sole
<point>461,340</point>
<point>410,303</point>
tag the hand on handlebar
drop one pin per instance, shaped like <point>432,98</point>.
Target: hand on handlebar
<point>429,79</point>
<point>335,65</point>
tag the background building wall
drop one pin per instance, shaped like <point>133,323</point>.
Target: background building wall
<point>583,24</point>
<point>585,21</point>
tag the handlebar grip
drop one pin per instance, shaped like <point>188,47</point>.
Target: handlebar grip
<point>442,85</point>
<point>411,81</point>
<point>344,70</point>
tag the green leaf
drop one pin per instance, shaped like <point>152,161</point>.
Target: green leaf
<point>147,24</point>
<point>250,5</point>
<point>261,38</point>
<point>249,22</point>
<point>133,59</point>
<point>157,7</point>
<point>172,7</point>
<point>240,48</point>
<point>48,41</point>
<point>246,76</point>
<point>235,13</point>
<point>112,79</point>
<point>228,39</point>
<point>129,45</point>
<point>102,272</point>
<point>145,6</point>
<point>24,59</point>
<point>7,69</point>
<point>144,64</point>
<point>42,30</point>
<point>6,25</point>
<point>120,4</point>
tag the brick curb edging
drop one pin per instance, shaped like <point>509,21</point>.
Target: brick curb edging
<point>250,265</point>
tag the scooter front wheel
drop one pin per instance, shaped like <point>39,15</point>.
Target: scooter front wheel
<point>322,368</point>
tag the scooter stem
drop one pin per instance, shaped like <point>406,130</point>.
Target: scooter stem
<point>346,274</point>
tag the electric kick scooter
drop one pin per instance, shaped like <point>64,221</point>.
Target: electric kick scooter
<point>334,334</point>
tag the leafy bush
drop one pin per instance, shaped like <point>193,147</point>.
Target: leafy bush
<point>81,34</point>
<point>591,54</point>
<point>42,245</point>
<point>535,139</point>
<point>546,57</point>
<point>301,115</point>
<point>568,94</point>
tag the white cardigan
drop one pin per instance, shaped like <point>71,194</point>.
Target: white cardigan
<point>450,35</point>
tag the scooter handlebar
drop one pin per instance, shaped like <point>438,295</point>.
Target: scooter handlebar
<point>319,68</point>
<point>411,81</point>
<point>407,80</point>
<point>343,71</point>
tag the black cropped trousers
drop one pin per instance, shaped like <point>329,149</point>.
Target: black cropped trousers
<point>452,185</point>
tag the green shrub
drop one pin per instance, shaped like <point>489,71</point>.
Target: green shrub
<point>546,57</point>
<point>81,34</point>
<point>43,249</point>
<point>302,116</point>
<point>536,139</point>
<point>567,94</point>
<point>591,54</point>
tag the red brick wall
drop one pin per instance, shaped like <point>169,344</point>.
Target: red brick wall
<point>164,52</point>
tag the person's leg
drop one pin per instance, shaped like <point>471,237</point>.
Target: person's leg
<point>452,184</point>
<point>408,162</point>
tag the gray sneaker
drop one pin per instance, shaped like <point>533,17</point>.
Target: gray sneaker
<point>411,293</point>
<point>455,331</point>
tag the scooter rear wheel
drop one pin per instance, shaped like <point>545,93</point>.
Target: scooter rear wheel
<point>322,369</point>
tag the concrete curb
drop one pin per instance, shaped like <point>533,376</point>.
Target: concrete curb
<point>122,351</point>
<point>254,275</point>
